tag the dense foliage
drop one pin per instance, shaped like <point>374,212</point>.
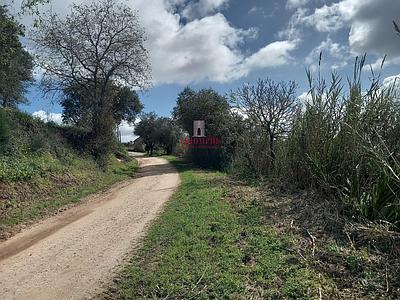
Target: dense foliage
<point>15,62</point>
<point>78,109</point>
<point>342,141</point>
<point>4,131</point>
<point>215,111</point>
<point>41,170</point>
<point>158,132</point>
<point>347,145</point>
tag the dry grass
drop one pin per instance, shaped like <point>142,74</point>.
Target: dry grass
<point>362,257</point>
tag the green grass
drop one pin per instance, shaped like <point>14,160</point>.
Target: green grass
<point>203,247</point>
<point>43,167</point>
<point>50,184</point>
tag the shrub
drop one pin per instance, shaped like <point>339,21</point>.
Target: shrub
<point>76,137</point>
<point>24,168</point>
<point>122,153</point>
<point>38,143</point>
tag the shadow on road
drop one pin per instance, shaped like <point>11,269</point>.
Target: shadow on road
<point>154,170</point>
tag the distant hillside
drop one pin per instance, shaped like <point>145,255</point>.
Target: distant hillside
<point>43,166</point>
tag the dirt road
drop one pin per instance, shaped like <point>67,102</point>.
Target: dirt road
<point>72,255</point>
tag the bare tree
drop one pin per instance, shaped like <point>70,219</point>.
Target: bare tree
<point>270,106</point>
<point>95,45</point>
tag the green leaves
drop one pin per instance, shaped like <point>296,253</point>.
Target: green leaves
<point>15,62</point>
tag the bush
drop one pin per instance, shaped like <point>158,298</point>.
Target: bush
<point>122,153</point>
<point>76,137</point>
<point>38,143</point>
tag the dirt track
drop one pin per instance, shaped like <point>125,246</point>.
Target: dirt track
<point>72,255</point>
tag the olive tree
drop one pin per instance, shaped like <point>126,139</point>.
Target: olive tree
<point>158,132</point>
<point>94,45</point>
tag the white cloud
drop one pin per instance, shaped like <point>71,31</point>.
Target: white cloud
<point>333,54</point>
<point>274,54</point>
<point>240,112</point>
<point>48,117</point>
<point>305,98</point>
<point>379,62</point>
<point>206,48</point>
<point>201,8</point>
<point>391,81</point>
<point>252,10</point>
<point>203,49</point>
<point>126,131</point>
<point>369,23</point>
<point>331,18</point>
<point>296,3</point>
<point>293,30</point>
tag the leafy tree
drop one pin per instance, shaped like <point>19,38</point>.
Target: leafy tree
<point>147,130</point>
<point>155,131</point>
<point>32,6</point>
<point>126,105</point>
<point>15,62</point>
<point>205,105</point>
<point>167,134</point>
<point>94,45</point>
<point>78,110</point>
<point>214,109</point>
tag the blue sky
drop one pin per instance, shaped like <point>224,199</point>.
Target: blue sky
<point>223,43</point>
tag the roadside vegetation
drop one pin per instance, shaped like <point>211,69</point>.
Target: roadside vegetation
<point>225,239</point>
<point>41,170</point>
<point>341,141</point>
<point>303,202</point>
<point>45,166</point>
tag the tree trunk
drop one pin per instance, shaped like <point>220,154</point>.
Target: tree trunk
<point>272,151</point>
<point>103,134</point>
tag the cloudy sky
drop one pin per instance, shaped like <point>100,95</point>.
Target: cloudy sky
<point>223,43</point>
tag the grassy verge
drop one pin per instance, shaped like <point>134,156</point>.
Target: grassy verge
<point>209,245</point>
<point>37,185</point>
